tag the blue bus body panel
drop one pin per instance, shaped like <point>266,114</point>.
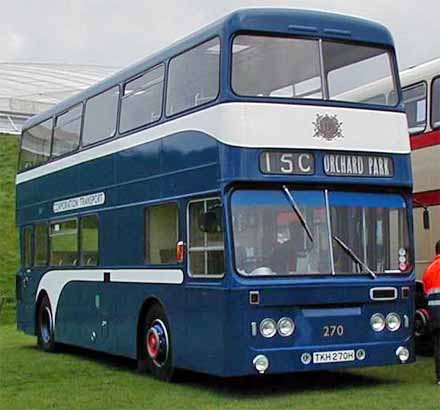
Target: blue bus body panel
<point>200,312</point>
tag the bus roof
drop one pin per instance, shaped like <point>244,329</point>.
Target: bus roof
<point>269,20</point>
<point>420,72</point>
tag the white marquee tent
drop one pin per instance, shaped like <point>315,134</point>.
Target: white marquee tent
<point>30,88</point>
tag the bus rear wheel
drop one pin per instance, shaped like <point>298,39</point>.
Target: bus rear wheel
<point>155,353</point>
<point>45,327</point>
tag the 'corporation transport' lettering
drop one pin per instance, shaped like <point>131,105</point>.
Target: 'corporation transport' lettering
<point>79,202</point>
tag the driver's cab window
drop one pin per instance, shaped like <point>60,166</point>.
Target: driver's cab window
<point>206,243</point>
<point>270,237</point>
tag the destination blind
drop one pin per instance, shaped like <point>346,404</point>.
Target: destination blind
<point>358,165</point>
<point>334,164</point>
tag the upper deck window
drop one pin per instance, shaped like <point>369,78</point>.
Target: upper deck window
<point>193,77</point>
<point>435,120</point>
<point>142,100</point>
<point>351,68</point>
<point>67,131</point>
<point>304,68</point>
<point>35,145</point>
<point>100,116</point>
<point>415,98</point>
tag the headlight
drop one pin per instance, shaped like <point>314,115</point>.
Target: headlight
<point>377,322</point>
<point>268,327</point>
<point>285,326</point>
<point>393,321</point>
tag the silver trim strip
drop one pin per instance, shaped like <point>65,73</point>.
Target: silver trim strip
<point>382,289</point>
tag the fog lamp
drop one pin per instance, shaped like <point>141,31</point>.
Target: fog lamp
<point>261,363</point>
<point>403,354</point>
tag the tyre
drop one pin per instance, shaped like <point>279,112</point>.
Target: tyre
<point>155,353</point>
<point>45,327</point>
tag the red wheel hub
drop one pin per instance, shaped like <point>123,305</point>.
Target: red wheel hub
<point>152,343</point>
<point>157,343</point>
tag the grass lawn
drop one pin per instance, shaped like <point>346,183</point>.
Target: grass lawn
<point>8,236</point>
<point>76,379</point>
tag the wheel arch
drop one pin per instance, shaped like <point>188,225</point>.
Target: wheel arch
<point>38,302</point>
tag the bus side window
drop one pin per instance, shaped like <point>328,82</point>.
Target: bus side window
<point>161,233</point>
<point>35,145</point>
<point>64,243</point>
<point>100,117</point>
<point>67,131</point>
<point>206,246</point>
<point>141,102</point>
<point>193,77</point>
<point>435,110</point>
<point>415,100</point>
<point>41,244</point>
<point>27,246</point>
<point>89,240</point>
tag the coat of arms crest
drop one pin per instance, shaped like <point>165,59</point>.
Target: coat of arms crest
<point>327,127</point>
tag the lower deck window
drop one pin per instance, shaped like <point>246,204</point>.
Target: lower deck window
<point>206,243</point>
<point>41,243</point>
<point>27,246</point>
<point>64,243</point>
<point>161,233</point>
<point>89,240</point>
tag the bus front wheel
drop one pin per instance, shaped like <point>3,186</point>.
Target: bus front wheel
<point>155,353</point>
<point>45,327</point>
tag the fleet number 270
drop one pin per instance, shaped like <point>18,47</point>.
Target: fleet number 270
<point>333,330</point>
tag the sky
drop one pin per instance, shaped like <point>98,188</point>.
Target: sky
<point>118,32</point>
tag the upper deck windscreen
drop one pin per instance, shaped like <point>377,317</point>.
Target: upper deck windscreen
<point>284,67</point>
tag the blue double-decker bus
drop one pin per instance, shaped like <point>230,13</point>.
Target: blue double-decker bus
<point>230,205</point>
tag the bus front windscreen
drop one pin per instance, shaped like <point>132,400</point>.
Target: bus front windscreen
<point>280,234</point>
<point>286,67</point>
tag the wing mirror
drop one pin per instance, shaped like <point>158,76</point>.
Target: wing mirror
<point>426,219</point>
<point>211,221</point>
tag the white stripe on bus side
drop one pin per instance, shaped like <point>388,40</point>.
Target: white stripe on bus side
<point>54,281</point>
<point>261,125</point>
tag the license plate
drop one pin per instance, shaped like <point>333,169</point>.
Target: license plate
<point>334,357</point>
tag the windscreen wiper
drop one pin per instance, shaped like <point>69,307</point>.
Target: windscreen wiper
<point>298,212</point>
<point>351,253</point>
